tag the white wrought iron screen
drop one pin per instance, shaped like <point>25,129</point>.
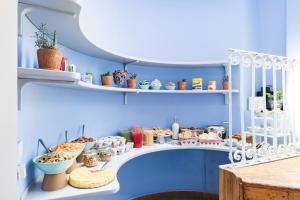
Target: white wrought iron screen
<point>268,99</point>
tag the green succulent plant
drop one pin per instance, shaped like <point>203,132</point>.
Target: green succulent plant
<point>44,39</point>
<point>106,74</point>
<point>132,76</point>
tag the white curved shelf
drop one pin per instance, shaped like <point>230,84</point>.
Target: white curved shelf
<point>81,84</point>
<point>67,12</point>
<point>34,191</point>
<point>72,80</point>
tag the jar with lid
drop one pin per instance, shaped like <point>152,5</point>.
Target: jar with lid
<point>105,155</point>
<point>212,85</point>
<point>90,159</point>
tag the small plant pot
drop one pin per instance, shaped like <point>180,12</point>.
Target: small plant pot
<point>106,81</point>
<point>182,85</point>
<point>49,59</point>
<point>225,85</point>
<point>131,83</point>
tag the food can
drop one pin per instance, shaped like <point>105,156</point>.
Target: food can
<point>212,85</point>
<point>196,83</point>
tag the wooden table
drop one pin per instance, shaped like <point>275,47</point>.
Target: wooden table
<point>277,180</point>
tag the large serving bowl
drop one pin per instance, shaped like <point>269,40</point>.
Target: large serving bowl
<point>87,145</point>
<point>75,152</point>
<point>53,168</point>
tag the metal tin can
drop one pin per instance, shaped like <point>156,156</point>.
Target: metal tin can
<point>212,85</point>
<point>196,83</point>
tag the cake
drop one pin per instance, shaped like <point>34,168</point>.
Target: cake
<point>87,178</point>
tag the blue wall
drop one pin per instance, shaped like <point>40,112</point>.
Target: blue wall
<point>47,112</point>
<point>171,30</point>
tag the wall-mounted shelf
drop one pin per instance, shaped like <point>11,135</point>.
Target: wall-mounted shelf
<point>72,80</point>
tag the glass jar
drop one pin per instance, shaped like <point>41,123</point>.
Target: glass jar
<point>148,137</point>
<point>105,155</point>
<point>90,159</point>
<point>212,85</point>
<point>137,137</point>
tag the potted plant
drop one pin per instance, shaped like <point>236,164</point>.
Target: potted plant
<point>225,83</point>
<point>131,82</point>
<point>119,77</point>
<point>87,77</point>
<point>182,84</point>
<point>106,79</point>
<point>49,56</point>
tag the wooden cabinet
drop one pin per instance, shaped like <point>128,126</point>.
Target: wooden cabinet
<point>255,193</point>
<point>278,180</point>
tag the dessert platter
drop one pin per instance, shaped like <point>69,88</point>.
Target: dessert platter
<point>198,136</point>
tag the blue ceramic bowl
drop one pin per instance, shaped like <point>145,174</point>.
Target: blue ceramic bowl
<point>144,87</point>
<point>88,145</point>
<point>53,168</point>
<point>170,87</point>
<point>153,87</point>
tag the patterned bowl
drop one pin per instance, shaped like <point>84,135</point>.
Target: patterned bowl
<point>144,87</point>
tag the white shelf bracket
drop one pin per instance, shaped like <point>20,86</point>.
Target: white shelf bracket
<point>125,65</point>
<point>125,98</point>
<point>21,84</point>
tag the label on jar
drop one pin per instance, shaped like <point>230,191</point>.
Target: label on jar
<point>212,85</point>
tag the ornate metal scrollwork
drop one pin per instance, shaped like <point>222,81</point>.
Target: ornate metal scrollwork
<point>266,152</point>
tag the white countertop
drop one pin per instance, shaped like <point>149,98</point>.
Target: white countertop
<point>34,191</point>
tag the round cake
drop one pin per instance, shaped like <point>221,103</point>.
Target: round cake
<point>87,178</point>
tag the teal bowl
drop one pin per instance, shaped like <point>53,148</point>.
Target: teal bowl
<point>144,87</point>
<point>170,87</point>
<point>88,145</point>
<point>53,168</point>
<point>155,87</point>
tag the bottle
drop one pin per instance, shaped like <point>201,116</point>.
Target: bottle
<point>175,129</point>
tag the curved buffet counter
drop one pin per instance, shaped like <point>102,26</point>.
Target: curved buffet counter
<point>34,190</point>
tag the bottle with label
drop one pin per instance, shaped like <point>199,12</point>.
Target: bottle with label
<point>175,129</point>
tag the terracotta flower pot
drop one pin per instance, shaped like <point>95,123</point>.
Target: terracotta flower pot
<point>225,85</point>
<point>49,59</point>
<point>182,85</point>
<point>106,80</point>
<point>131,83</point>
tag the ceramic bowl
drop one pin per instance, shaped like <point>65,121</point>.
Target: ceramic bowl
<point>155,87</point>
<point>170,87</point>
<point>144,87</point>
<point>75,152</point>
<point>53,168</point>
<point>88,145</point>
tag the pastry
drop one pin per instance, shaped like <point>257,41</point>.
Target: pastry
<point>86,178</point>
